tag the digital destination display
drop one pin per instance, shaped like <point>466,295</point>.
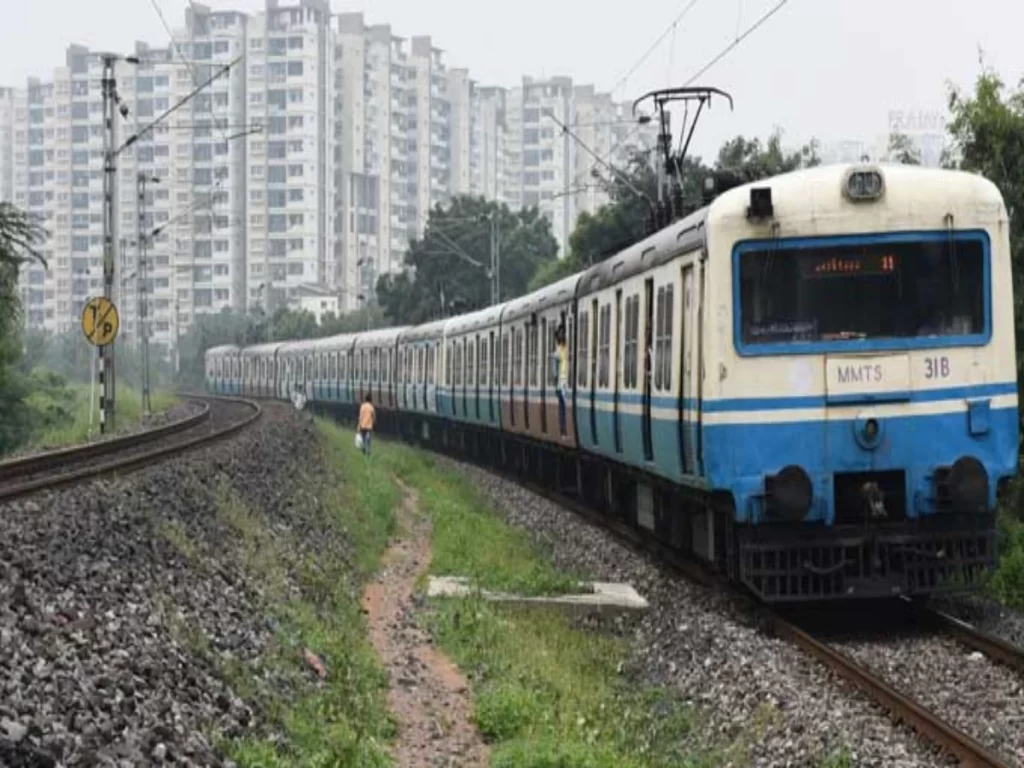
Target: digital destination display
<point>840,266</point>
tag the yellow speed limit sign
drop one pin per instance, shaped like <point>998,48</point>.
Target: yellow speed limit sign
<point>100,321</point>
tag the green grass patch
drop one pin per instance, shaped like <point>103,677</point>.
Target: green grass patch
<point>547,693</point>
<point>61,410</point>
<point>314,599</point>
<point>470,539</point>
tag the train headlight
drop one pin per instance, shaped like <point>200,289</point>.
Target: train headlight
<point>791,492</point>
<point>863,184</point>
<point>968,485</point>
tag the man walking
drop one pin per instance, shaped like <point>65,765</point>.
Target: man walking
<point>367,419</point>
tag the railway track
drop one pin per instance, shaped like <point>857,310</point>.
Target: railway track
<point>903,708</point>
<point>219,417</point>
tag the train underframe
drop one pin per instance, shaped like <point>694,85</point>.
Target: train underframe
<point>777,562</point>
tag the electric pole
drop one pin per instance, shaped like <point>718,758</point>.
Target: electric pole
<point>106,352</point>
<point>141,180</point>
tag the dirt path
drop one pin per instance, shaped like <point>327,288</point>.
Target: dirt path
<point>428,696</point>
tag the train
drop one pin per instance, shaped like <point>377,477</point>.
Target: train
<point>808,384</point>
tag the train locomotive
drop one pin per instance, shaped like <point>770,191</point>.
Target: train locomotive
<point>809,383</point>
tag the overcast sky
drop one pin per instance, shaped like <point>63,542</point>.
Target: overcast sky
<point>834,69</point>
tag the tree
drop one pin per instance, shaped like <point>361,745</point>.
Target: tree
<point>20,235</point>
<point>752,160</point>
<point>903,150</point>
<point>447,270</point>
<point>987,133</point>
<point>212,330</point>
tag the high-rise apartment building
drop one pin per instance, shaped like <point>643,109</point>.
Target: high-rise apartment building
<point>308,167</point>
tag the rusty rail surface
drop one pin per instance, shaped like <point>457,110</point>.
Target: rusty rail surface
<point>903,708</point>
<point>45,460</point>
<point>995,648</point>
<point>57,468</point>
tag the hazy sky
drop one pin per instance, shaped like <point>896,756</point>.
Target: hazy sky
<point>834,69</point>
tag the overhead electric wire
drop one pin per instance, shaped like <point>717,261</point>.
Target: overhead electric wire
<point>669,29</point>
<point>729,48</point>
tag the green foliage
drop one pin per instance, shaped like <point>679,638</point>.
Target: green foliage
<point>752,160</point>
<point>469,538</point>
<point>344,721</point>
<point>447,270</point>
<point>20,235</point>
<point>59,412</point>
<point>903,150</point>
<point>987,130</point>
<point>547,694</point>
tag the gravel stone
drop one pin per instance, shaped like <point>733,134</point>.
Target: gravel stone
<point>981,698</point>
<point>788,708</point>
<point>121,599</point>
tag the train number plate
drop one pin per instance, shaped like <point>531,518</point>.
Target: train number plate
<point>881,377</point>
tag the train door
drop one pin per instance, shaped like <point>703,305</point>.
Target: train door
<point>648,362</point>
<point>594,323</point>
<point>491,375</point>
<point>542,352</point>
<point>617,372</point>
<point>688,377</point>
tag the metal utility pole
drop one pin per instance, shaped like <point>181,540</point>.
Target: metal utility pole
<point>106,352</point>
<point>140,184</point>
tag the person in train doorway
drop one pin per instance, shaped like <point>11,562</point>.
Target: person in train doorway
<point>367,420</point>
<point>562,368</point>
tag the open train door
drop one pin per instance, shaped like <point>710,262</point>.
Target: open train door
<point>690,371</point>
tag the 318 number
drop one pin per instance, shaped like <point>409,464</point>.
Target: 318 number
<point>936,368</point>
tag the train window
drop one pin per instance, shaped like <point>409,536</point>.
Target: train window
<point>582,346</point>
<point>470,363</point>
<point>663,339</point>
<point>834,292</point>
<point>604,345</point>
<point>481,361</point>
<point>629,344</point>
<point>531,354</point>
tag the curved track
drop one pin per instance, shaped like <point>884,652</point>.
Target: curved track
<point>220,417</point>
<point>926,722</point>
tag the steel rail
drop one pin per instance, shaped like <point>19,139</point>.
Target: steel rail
<point>134,461</point>
<point>995,648</point>
<point>38,462</point>
<point>926,723</point>
<point>929,725</point>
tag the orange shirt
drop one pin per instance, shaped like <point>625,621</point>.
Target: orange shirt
<point>367,416</point>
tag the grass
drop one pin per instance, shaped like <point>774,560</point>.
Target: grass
<point>469,538</point>
<point>63,410</point>
<point>547,693</point>
<point>314,600</point>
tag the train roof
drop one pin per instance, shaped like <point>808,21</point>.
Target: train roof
<point>680,236</point>
<point>378,337</point>
<point>260,349</point>
<point>341,341</point>
<point>432,330</point>
<point>557,293</point>
<point>223,349</point>
<point>299,346</point>
<point>816,194</point>
<point>474,321</point>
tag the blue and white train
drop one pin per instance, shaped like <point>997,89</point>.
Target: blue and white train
<point>810,382</point>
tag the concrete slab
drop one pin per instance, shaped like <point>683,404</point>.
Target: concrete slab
<point>606,598</point>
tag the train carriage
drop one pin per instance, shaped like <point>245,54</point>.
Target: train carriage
<point>471,343</point>
<point>422,350</point>
<point>529,386</point>
<point>259,369</point>
<point>374,369</point>
<point>810,382</point>
<point>223,369</point>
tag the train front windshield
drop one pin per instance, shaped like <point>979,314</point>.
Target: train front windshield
<point>833,291</point>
